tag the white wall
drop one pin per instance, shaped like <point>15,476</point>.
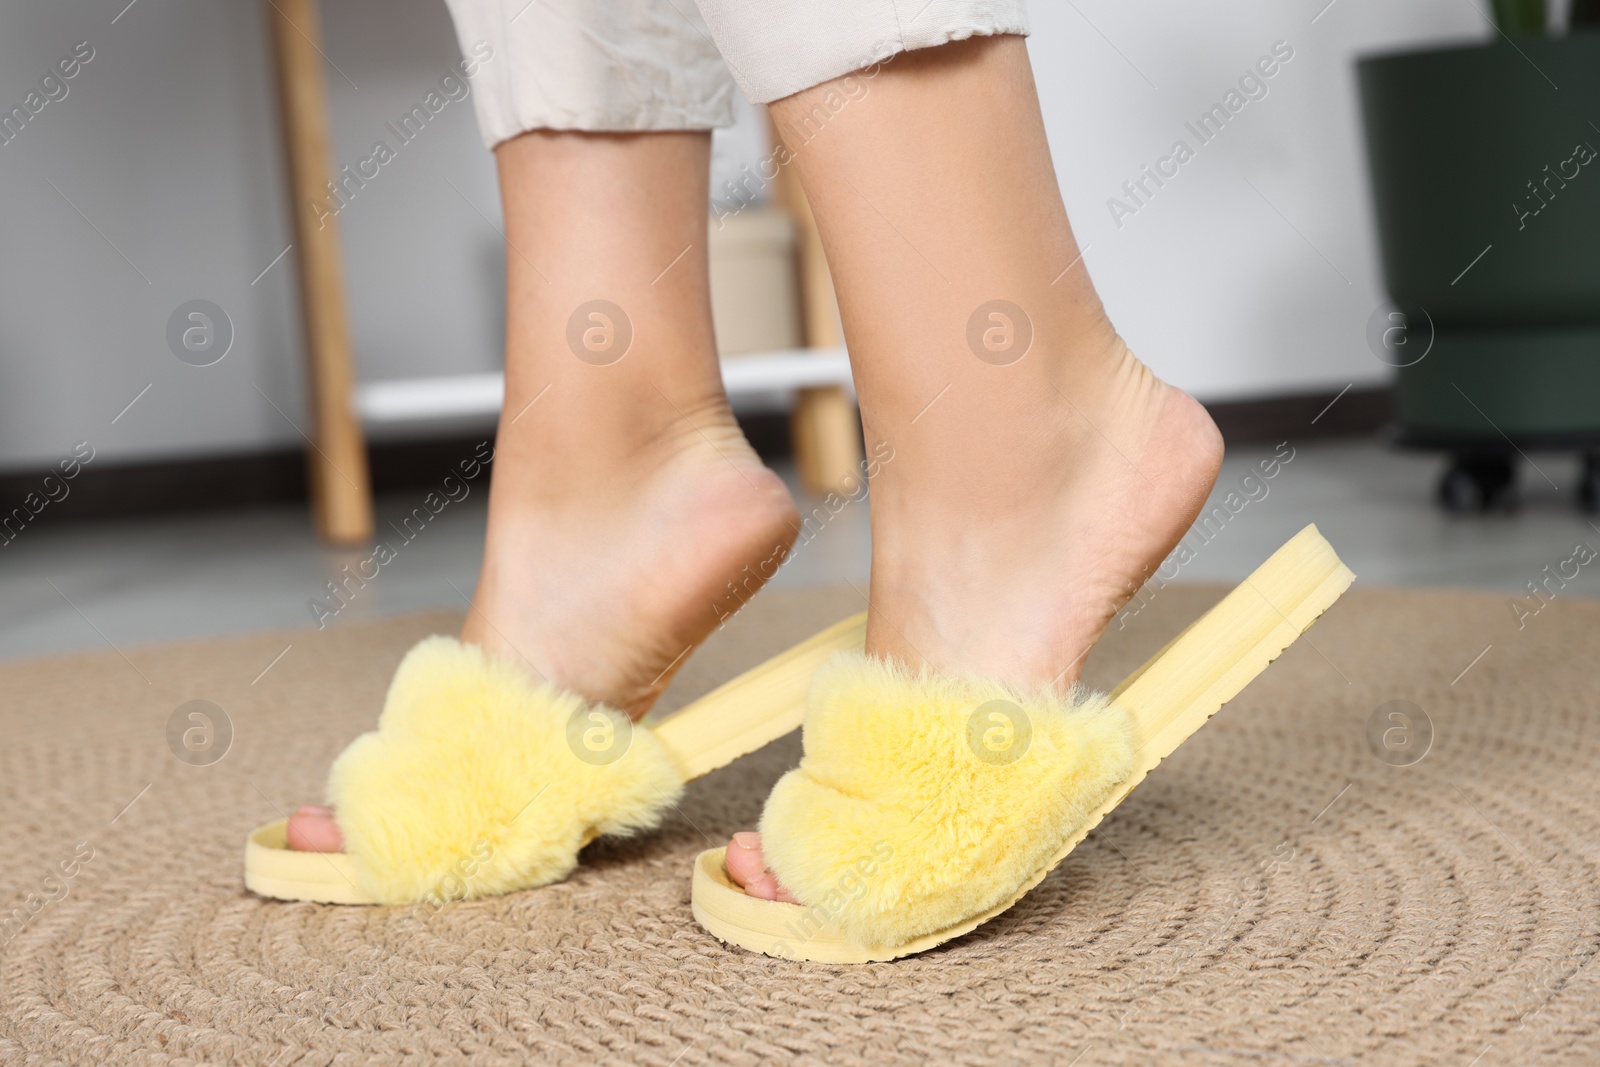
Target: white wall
<point>1208,282</point>
<point>165,143</point>
<point>168,144</point>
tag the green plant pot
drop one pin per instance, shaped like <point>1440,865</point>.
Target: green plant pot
<point>1488,214</point>
<point>1520,16</point>
<point>1539,387</point>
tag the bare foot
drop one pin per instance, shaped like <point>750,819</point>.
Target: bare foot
<point>1016,575</point>
<point>746,867</point>
<point>627,514</point>
<point>605,590</point>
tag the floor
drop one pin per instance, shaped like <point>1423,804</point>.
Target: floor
<point>1292,887</point>
<point>154,580</point>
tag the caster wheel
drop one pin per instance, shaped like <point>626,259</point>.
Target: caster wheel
<point>1589,485</point>
<point>1475,484</point>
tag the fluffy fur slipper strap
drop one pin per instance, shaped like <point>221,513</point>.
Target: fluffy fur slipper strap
<point>922,801</point>
<point>480,781</point>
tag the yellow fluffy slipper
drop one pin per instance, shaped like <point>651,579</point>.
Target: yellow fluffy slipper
<point>925,806</point>
<point>480,781</point>
<point>951,790</point>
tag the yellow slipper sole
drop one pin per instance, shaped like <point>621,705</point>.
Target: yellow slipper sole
<point>478,782</point>
<point>874,902</point>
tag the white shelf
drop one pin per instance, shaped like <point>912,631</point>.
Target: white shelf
<point>469,395</point>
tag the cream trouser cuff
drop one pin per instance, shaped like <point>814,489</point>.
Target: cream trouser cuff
<point>620,65</point>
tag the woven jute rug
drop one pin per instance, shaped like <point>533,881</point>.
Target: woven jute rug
<point>1311,879</point>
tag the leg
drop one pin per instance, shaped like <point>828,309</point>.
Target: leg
<point>628,498</point>
<point>1040,471</point>
<point>827,443</point>
<point>625,501</point>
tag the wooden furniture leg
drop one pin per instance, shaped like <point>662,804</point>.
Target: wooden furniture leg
<point>822,427</point>
<point>341,492</point>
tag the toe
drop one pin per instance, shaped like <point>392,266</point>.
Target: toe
<point>312,829</point>
<point>748,868</point>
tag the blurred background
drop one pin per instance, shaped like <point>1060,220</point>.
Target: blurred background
<point>156,177</point>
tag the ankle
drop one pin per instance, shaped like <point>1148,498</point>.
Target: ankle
<point>1001,446</point>
<point>577,446</point>
<point>603,587</point>
<point>1004,547</point>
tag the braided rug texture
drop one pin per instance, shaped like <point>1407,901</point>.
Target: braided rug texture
<point>1275,893</point>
